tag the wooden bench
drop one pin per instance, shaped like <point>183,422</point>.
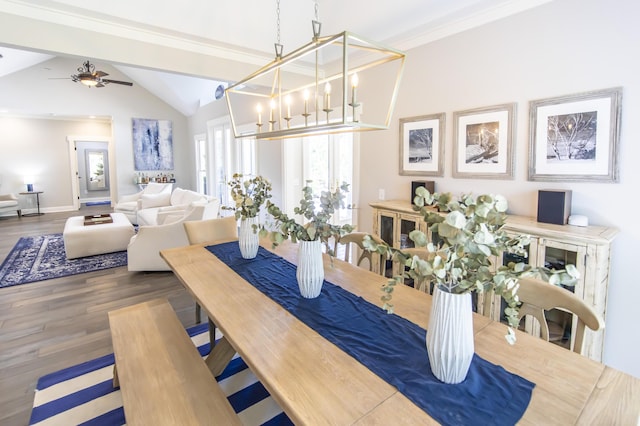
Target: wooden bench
<point>161,374</point>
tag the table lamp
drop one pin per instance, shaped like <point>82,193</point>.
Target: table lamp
<point>28,180</point>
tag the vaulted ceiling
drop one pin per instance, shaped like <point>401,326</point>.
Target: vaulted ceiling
<point>242,31</point>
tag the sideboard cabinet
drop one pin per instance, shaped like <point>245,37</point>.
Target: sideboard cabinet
<point>554,246</point>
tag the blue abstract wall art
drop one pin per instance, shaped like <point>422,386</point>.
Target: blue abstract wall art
<point>152,144</point>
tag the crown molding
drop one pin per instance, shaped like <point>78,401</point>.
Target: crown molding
<point>443,28</point>
<point>56,13</point>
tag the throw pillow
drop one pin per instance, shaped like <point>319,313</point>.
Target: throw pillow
<point>154,200</point>
<point>157,188</point>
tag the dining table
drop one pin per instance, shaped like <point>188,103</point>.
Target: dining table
<point>315,380</point>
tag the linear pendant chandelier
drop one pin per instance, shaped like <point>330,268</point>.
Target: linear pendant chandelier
<point>335,84</point>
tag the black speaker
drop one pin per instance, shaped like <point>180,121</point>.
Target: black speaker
<point>554,206</point>
<point>429,184</point>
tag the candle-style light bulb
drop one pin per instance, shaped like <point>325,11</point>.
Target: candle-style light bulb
<point>259,108</point>
<point>287,100</point>
<point>327,96</point>
<point>305,96</point>
<point>272,104</point>
<point>354,86</point>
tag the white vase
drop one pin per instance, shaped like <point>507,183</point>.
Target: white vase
<point>450,336</point>
<point>310,271</point>
<point>248,239</point>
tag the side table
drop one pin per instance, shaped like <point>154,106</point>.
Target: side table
<point>37,194</point>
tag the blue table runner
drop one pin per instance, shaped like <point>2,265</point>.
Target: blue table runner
<point>390,346</point>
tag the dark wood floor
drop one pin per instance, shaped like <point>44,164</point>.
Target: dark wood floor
<point>49,325</point>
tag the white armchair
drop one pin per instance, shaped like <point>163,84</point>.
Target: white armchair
<point>156,194</point>
<point>9,203</point>
<point>143,252</point>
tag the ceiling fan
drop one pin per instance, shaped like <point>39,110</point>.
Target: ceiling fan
<point>88,76</point>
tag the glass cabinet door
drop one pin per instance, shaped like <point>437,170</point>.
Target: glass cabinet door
<point>386,231</point>
<point>556,255</point>
<point>553,255</point>
<point>406,224</point>
<point>492,305</point>
<point>496,306</point>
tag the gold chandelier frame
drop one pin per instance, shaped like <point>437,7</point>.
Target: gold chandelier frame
<point>327,67</point>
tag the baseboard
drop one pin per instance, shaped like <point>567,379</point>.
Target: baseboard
<point>56,209</point>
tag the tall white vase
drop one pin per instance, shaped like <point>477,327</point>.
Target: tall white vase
<point>248,239</point>
<point>450,336</point>
<point>310,271</point>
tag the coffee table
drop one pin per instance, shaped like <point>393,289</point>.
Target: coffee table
<point>82,240</point>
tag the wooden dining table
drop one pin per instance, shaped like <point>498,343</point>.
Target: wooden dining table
<point>315,382</point>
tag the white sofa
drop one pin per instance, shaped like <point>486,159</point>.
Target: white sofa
<point>9,203</point>
<point>160,193</point>
<point>158,209</point>
<point>143,251</point>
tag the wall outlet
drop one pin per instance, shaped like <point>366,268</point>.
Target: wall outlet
<point>380,194</point>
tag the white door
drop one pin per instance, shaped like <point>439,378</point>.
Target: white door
<point>91,175</point>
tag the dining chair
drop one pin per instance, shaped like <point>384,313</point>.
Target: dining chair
<point>538,296</point>
<point>208,231</point>
<point>357,238</point>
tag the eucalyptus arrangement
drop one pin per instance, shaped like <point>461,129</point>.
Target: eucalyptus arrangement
<point>469,234</point>
<point>310,234</point>
<point>248,195</point>
<point>317,213</point>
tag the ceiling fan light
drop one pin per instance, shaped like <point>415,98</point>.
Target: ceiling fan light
<point>89,81</point>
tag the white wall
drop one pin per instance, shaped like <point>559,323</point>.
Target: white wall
<point>32,92</point>
<point>564,47</point>
<point>39,148</point>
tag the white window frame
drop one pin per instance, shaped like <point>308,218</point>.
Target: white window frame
<point>297,160</point>
<point>227,155</point>
<point>200,144</point>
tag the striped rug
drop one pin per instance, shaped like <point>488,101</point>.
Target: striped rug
<point>84,395</point>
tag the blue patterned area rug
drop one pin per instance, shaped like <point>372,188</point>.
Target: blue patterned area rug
<point>43,258</point>
<point>84,394</point>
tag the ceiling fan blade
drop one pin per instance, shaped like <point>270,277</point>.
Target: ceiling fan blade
<point>124,83</point>
<point>100,74</point>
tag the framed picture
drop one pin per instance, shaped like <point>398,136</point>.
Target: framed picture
<point>483,142</point>
<point>422,145</point>
<point>152,144</point>
<point>575,138</point>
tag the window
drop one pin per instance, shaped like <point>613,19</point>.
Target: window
<point>327,161</point>
<point>229,156</point>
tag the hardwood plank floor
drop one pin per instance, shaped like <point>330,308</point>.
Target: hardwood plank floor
<point>49,325</point>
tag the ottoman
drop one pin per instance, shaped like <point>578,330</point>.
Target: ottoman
<point>86,240</point>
